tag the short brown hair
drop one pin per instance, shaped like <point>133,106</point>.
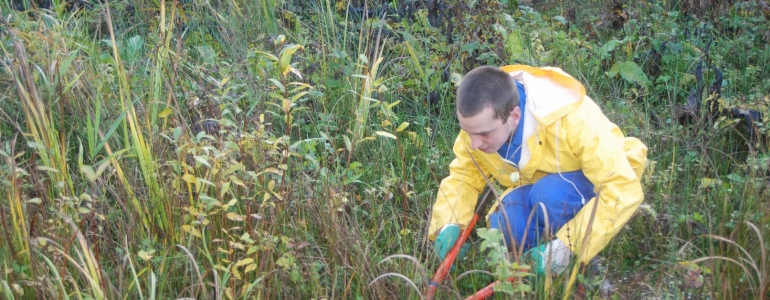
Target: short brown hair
<point>486,87</point>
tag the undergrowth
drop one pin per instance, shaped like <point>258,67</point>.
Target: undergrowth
<point>292,149</point>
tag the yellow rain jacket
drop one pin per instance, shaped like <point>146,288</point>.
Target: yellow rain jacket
<point>564,131</point>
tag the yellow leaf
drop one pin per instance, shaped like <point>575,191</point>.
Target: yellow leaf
<point>286,106</point>
<point>709,182</point>
<point>165,113</point>
<point>385,134</point>
<point>89,172</point>
<point>190,178</point>
<point>402,126</point>
<point>368,138</point>
<point>237,181</point>
<point>250,268</point>
<point>238,245</point>
<point>194,231</point>
<point>244,262</point>
<point>234,217</point>
<point>271,185</point>
<point>236,274</point>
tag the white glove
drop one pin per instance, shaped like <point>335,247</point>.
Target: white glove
<point>555,253</point>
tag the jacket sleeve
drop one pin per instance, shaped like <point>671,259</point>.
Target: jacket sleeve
<point>614,165</point>
<point>458,192</point>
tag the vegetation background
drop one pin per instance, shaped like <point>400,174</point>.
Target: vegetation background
<point>276,149</point>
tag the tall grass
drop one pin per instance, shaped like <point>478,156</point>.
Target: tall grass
<point>245,149</point>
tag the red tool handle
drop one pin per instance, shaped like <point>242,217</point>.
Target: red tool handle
<point>488,290</point>
<point>446,265</point>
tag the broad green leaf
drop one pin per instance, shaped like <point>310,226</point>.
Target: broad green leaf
<point>201,180</point>
<point>608,47</point>
<point>203,159</point>
<point>287,261</point>
<point>517,46</point>
<point>268,55</point>
<point>297,96</point>
<point>629,71</point>
<point>286,55</point>
<point>225,188</point>
<point>177,132</point>
<point>277,84</point>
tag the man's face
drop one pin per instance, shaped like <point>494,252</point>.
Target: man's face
<point>488,133</point>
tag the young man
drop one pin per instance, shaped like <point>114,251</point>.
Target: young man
<point>536,132</point>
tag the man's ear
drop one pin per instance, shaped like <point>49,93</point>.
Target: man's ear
<point>516,114</point>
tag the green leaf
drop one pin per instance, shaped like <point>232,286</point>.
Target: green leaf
<point>517,46</point>
<point>629,71</point>
<point>278,84</point>
<point>348,144</point>
<point>608,47</point>
<point>34,145</point>
<point>521,287</point>
<point>297,96</point>
<point>203,159</point>
<point>109,132</point>
<point>67,62</point>
<point>286,55</point>
<point>268,55</point>
<point>177,132</point>
<point>286,261</point>
<point>225,188</point>
<point>504,287</point>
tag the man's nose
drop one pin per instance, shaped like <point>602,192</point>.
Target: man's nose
<point>475,143</point>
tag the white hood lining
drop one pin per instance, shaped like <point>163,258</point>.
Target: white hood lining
<point>543,95</point>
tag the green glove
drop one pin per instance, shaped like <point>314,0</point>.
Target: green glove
<point>559,254</point>
<point>446,239</point>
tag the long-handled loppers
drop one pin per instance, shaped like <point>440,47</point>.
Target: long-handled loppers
<point>446,265</point>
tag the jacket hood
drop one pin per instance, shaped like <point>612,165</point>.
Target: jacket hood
<point>551,93</point>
